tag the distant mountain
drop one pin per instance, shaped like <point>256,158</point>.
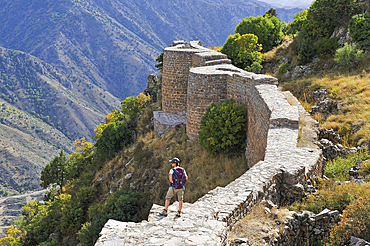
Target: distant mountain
<point>113,43</point>
<point>67,63</point>
<point>289,3</point>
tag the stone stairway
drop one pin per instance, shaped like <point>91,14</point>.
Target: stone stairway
<point>280,178</point>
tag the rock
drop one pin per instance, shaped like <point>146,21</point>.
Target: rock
<point>321,215</point>
<point>128,176</point>
<point>358,242</point>
<point>300,71</point>
<point>239,240</point>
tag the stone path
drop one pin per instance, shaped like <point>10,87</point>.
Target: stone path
<point>206,222</point>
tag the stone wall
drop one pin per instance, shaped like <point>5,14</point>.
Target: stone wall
<point>280,177</point>
<point>216,83</point>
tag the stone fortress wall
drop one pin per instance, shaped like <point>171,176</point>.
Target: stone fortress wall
<point>280,172</point>
<point>194,76</point>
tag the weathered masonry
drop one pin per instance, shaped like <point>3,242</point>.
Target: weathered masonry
<point>194,76</point>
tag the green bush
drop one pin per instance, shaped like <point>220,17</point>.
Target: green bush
<point>283,68</point>
<point>122,205</point>
<point>338,169</point>
<point>268,29</point>
<point>348,56</point>
<point>244,51</point>
<point>360,30</point>
<point>326,47</point>
<point>114,137</point>
<point>74,214</point>
<point>223,128</point>
<point>306,49</point>
<point>297,25</point>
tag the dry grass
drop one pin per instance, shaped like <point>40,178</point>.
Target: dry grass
<point>147,161</point>
<point>351,92</point>
<point>258,225</point>
<point>280,51</point>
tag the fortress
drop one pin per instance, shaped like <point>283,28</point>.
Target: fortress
<point>193,77</point>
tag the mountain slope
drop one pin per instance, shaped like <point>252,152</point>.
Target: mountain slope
<point>70,104</point>
<point>42,111</point>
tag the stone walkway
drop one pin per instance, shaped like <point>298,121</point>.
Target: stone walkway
<point>279,177</point>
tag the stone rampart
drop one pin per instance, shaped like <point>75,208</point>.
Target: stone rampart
<point>280,177</point>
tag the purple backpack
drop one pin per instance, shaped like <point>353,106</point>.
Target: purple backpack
<point>178,178</point>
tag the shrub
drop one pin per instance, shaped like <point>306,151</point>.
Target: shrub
<point>114,137</point>
<point>223,128</point>
<point>348,56</point>
<point>283,68</point>
<point>360,30</point>
<point>365,168</point>
<point>244,51</point>
<point>332,196</point>
<point>297,25</point>
<point>338,169</point>
<point>355,223</point>
<point>268,29</point>
<point>326,47</point>
<point>122,205</point>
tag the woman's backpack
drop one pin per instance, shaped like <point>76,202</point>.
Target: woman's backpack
<point>178,178</point>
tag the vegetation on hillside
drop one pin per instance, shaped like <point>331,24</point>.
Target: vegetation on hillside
<point>119,177</point>
<point>342,69</point>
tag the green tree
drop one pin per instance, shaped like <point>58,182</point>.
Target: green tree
<point>324,15</point>
<point>223,128</point>
<point>360,30</point>
<point>268,30</point>
<point>114,137</point>
<point>271,12</point>
<point>244,51</point>
<point>55,172</point>
<point>297,25</point>
<point>348,56</point>
<point>39,221</point>
<point>122,205</point>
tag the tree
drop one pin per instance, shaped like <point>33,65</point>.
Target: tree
<point>297,25</point>
<point>55,172</point>
<point>114,137</point>
<point>122,205</point>
<point>223,128</point>
<point>268,30</point>
<point>13,238</point>
<point>324,15</point>
<point>132,106</point>
<point>360,30</point>
<point>271,12</point>
<point>244,51</point>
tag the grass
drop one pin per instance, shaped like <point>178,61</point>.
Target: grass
<point>332,196</point>
<point>349,91</point>
<point>338,169</point>
<point>259,224</point>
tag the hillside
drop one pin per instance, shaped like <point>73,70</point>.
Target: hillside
<point>111,43</point>
<point>42,111</point>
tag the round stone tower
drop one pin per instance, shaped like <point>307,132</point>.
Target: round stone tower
<point>205,86</point>
<point>176,64</point>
